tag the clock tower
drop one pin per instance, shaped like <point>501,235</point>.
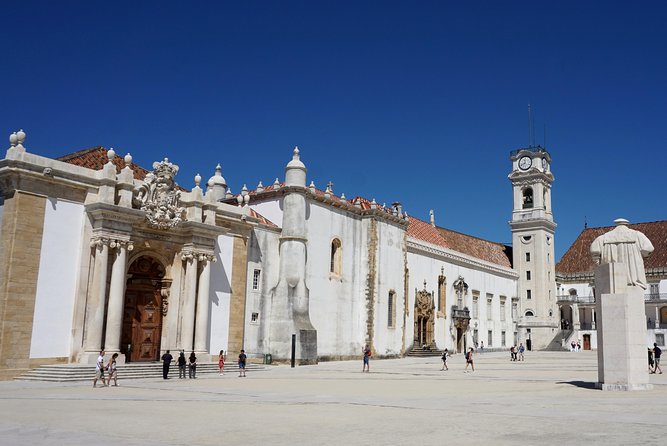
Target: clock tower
<point>533,246</point>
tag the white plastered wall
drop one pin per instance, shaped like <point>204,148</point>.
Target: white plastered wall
<point>57,278</point>
<point>220,294</point>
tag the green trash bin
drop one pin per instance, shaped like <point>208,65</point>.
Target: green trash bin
<point>268,359</point>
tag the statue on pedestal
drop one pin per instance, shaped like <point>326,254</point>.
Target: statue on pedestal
<point>627,246</point>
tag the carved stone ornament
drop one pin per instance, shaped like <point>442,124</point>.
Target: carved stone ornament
<point>158,196</point>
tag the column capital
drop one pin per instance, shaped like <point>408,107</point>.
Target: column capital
<point>119,244</point>
<point>197,254</point>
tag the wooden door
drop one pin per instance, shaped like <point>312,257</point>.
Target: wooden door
<point>142,323</point>
<point>587,342</point>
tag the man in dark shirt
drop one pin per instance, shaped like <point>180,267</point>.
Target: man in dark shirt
<point>657,352</point>
<point>242,360</point>
<point>166,361</point>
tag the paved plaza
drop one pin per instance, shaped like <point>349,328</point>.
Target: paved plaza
<point>548,399</point>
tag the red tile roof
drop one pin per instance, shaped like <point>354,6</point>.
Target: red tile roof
<point>96,158</point>
<point>578,258</point>
<point>263,220</point>
<point>466,244</point>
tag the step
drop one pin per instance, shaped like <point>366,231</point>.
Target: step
<point>86,372</point>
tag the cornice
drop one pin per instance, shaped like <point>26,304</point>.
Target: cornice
<point>418,246</point>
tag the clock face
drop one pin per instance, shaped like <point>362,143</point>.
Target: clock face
<point>525,162</point>
<point>544,163</point>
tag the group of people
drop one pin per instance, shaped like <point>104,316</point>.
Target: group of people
<point>191,364</point>
<point>110,368</point>
<point>654,359</point>
<point>516,353</point>
<point>575,346</point>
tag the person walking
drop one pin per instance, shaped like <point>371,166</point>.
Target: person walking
<point>221,362</point>
<point>650,360</point>
<point>513,353</point>
<point>657,352</point>
<point>99,370</point>
<point>113,371</point>
<point>192,366</point>
<point>166,362</point>
<point>367,359</point>
<point>242,360</point>
<point>181,364</point>
<point>469,361</point>
<point>444,360</point>
<point>521,350</point>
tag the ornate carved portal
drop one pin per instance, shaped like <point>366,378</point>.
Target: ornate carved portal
<point>143,310</point>
<point>424,317</point>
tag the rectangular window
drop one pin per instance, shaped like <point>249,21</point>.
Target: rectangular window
<point>254,317</point>
<point>490,340</point>
<point>475,333</point>
<point>255,279</point>
<point>502,310</point>
<point>502,338</point>
<point>390,310</point>
<point>516,338</point>
<point>528,295</point>
<point>660,339</point>
<point>489,308</point>
<point>527,257</point>
<point>527,275</point>
<point>475,307</point>
<point>654,290</point>
<point>515,311</point>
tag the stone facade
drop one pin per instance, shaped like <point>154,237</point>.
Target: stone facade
<point>153,266</point>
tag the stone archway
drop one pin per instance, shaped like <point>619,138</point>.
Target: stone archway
<point>424,318</point>
<point>143,310</point>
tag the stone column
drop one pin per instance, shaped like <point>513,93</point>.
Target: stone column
<point>592,319</point>
<point>656,321</point>
<point>575,318</point>
<point>97,298</point>
<point>201,327</point>
<point>189,299</point>
<point>116,298</point>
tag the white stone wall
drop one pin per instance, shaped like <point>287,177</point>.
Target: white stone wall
<point>390,265</point>
<point>337,303</point>
<point>428,267</point>
<point>56,282</point>
<point>220,294</point>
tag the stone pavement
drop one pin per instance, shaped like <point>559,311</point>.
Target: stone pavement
<point>548,399</point>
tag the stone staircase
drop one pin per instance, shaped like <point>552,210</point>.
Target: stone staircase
<point>423,352</point>
<point>556,344</point>
<point>136,370</point>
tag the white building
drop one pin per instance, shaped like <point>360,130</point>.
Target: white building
<point>100,254</point>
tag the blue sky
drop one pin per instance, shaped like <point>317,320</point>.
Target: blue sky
<point>417,102</point>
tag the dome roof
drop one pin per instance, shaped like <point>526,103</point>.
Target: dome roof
<point>217,179</point>
<point>296,162</point>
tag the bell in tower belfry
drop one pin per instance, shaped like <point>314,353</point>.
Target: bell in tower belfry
<point>533,230</point>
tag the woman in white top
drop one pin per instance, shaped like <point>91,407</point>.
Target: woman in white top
<point>113,372</point>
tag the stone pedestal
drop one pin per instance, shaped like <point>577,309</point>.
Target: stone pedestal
<point>621,331</point>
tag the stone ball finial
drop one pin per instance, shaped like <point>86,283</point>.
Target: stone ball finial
<point>21,136</point>
<point>13,139</point>
<point>229,193</point>
<point>244,190</point>
<point>621,221</point>
<point>197,180</point>
<point>111,154</point>
<point>128,160</point>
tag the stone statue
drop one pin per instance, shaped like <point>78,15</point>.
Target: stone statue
<point>624,245</point>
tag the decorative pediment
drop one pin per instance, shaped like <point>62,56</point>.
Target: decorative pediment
<point>159,198</point>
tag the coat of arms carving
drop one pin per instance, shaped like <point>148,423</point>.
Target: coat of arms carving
<point>158,197</point>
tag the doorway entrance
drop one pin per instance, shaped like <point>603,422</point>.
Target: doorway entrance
<point>587,342</point>
<point>424,320</point>
<point>142,315</point>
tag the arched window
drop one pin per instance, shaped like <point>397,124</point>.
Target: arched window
<point>572,292</point>
<point>529,314</point>
<point>528,198</point>
<point>335,266</point>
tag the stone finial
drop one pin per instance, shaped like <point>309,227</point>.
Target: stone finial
<point>16,140</point>
<point>276,184</point>
<point>312,187</point>
<point>342,196</point>
<point>229,193</point>
<point>20,135</point>
<point>244,190</point>
<point>260,187</point>
<point>13,139</point>
<point>111,154</point>
<point>128,160</point>
<point>432,217</point>
<point>621,221</point>
<point>197,180</point>
<point>374,204</point>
